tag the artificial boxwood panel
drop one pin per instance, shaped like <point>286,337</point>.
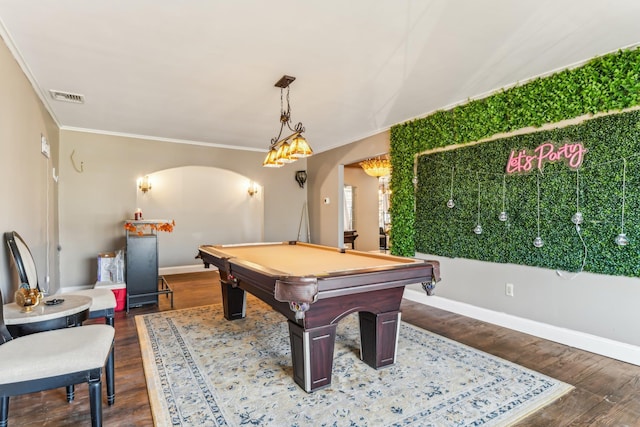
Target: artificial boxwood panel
<point>610,82</point>
<point>478,174</point>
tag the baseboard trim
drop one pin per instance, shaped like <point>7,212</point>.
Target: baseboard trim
<point>179,269</point>
<point>161,271</point>
<point>71,289</point>
<point>592,343</point>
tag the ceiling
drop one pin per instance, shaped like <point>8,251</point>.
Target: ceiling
<point>203,71</point>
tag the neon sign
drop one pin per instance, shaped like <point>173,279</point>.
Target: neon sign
<point>524,160</point>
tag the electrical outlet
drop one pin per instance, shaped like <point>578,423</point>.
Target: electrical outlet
<point>44,146</point>
<point>508,289</point>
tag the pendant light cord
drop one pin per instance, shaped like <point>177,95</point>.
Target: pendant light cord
<point>453,168</point>
<point>478,177</point>
<point>504,191</point>
<point>624,184</point>
<point>538,220</point>
<point>577,190</point>
<point>584,244</point>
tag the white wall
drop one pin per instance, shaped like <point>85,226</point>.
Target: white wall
<point>232,215</point>
<point>326,180</point>
<point>28,192</point>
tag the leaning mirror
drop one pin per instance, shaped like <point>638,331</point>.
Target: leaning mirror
<point>23,259</point>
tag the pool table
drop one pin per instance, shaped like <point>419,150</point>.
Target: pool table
<point>314,287</point>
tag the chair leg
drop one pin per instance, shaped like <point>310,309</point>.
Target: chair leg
<point>71,393</point>
<point>4,410</point>
<point>95,401</point>
<point>111,392</point>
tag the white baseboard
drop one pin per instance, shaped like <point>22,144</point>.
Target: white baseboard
<point>161,271</point>
<point>179,269</point>
<point>71,289</point>
<point>592,343</point>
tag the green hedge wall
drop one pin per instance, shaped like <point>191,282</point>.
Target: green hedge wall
<point>598,183</point>
<point>610,82</point>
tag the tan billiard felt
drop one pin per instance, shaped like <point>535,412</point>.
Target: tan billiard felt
<point>304,260</point>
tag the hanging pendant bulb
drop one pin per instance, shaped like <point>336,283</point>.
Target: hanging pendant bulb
<point>621,240</point>
<point>537,242</point>
<point>450,202</point>
<point>577,218</point>
<point>478,228</point>
<point>503,215</point>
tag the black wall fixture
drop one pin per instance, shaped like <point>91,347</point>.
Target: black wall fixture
<point>301,178</point>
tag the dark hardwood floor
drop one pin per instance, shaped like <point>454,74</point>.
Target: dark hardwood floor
<point>607,392</point>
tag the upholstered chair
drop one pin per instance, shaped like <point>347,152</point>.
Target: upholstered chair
<point>103,301</point>
<point>53,359</point>
<point>103,304</point>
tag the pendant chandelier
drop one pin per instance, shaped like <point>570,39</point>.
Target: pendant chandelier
<point>292,147</point>
<point>376,167</point>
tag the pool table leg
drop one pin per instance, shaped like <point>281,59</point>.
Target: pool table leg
<point>379,338</point>
<point>312,355</point>
<point>234,301</point>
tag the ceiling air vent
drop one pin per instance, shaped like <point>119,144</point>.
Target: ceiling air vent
<point>67,96</point>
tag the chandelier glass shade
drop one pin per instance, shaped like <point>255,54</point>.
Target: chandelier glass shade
<point>376,167</point>
<point>292,147</point>
<point>299,148</point>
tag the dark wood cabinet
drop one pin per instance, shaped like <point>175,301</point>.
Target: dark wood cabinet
<point>143,282</point>
<point>142,269</point>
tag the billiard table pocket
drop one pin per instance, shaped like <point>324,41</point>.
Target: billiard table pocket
<point>296,289</point>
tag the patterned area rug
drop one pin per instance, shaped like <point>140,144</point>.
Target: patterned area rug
<point>202,370</point>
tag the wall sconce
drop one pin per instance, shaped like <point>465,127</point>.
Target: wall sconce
<point>301,178</point>
<point>253,189</point>
<point>144,184</point>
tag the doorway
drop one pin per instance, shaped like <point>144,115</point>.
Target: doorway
<point>365,209</point>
